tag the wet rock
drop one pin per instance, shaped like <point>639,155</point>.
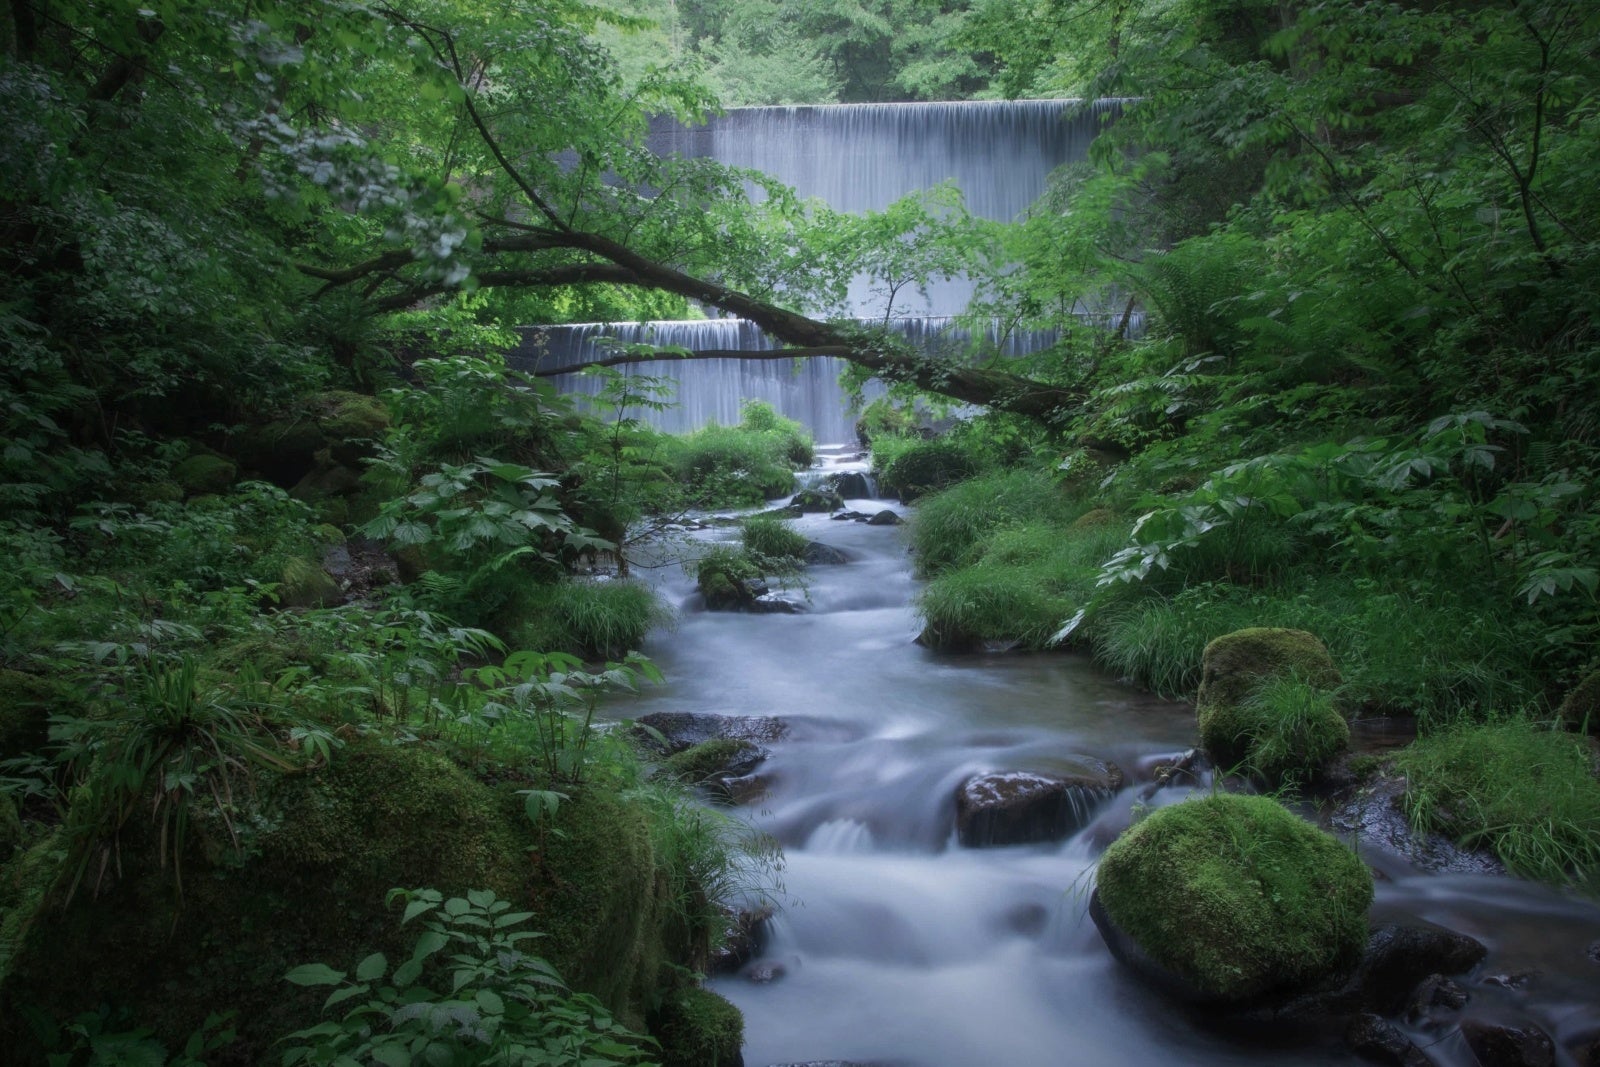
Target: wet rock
<point>1373,815</point>
<point>667,732</point>
<point>745,789</point>
<point>765,973</point>
<point>1435,997</point>
<point>1400,957</point>
<point>1507,1045</point>
<point>1017,807</point>
<point>1511,980</point>
<point>808,500</point>
<point>360,566</point>
<point>942,636</point>
<point>1374,1038</point>
<point>1594,951</point>
<point>773,604</point>
<point>817,554</point>
<point>853,516</point>
<point>743,938</point>
<point>849,484</point>
<point>885,517</point>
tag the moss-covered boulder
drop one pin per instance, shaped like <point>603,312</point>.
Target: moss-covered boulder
<point>710,764</point>
<point>1264,702</point>
<point>1580,708</point>
<point>205,473</point>
<point>320,850</point>
<point>729,580</point>
<point>304,584</point>
<point>698,1028</point>
<point>332,429</point>
<point>1232,898</point>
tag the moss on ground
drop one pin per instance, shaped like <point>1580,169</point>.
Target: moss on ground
<point>1528,793</point>
<point>205,473</point>
<point>1263,702</point>
<point>1238,896</point>
<point>320,851</point>
<point>699,1028</point>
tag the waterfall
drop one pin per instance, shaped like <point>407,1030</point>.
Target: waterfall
<point>855,157</point>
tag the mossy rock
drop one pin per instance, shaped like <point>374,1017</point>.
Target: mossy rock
<point>1233,898</point>
<point>1235,666</point>
<point>26,703</point>
<point>725,579</point>
<point>925,468</point>
<point>205,473</point>
<point>705,762</point>
<point>346,416</point>
<point>304,584</point>
<point>699,1028</point>
<point>321,850</point>
<point>1095,519</point>
<point>1580,708</point>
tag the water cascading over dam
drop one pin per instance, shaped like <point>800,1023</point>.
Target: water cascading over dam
<point>855,157</point>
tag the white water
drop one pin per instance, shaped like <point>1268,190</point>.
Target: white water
<point>897,946</point>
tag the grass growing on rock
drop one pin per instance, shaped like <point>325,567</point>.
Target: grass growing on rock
<point>1288,727</point>
<point>1528,793</point>
<point>951,528</point>
<point>593,619</point>
<point>1237,895</point>
<point>771,538</point>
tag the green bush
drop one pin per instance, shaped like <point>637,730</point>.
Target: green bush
<point>925,467</point>
<point>743,465</point>
<point>1237,896</point>
<point>698,1028</point>
<point>1528,793</point>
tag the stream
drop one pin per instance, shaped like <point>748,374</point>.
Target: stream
<point>897,946</point>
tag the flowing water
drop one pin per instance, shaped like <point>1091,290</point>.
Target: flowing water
<point>898,946</point>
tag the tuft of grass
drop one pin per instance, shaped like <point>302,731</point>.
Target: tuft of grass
<point>771,538</point>
<point>1526,792</point>
<point>595,620</point>
<point>1288,726</point>
<point>953,527</point>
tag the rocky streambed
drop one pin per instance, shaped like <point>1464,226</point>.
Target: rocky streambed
<point>941,817</point>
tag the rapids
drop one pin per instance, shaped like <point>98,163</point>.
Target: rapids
<point>897,946</point>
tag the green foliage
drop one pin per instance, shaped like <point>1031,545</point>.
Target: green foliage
<point>1525,792</point>
<point>594,619</point>
<point>950,527</point>
<point>700,1028</point>
<point>502,1004</point>
<point>723,466</point>
<point>1237,895</point>
<point>769,538</point>
<point>1287,728</point>
<point>924,467</point>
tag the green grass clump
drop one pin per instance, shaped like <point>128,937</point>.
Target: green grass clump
<point>729,466</point>
<point>1528,793</point>
<point>595,620</point>
<point>699,1028</point>
<point>952,528</point>
<point>769,537</point>
<point>1026,580</point>
<point>1237,895</point>
<point>1284,730</point>
<point>925,467</point>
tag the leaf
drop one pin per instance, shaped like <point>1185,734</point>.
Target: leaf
<point>490,1002</point>
<point>372,968</point>
<point>313,974</point>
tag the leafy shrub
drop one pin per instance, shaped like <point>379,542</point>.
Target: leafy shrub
<point>501,1005</point>
<point>925,467</point>
<point>1528,793</point>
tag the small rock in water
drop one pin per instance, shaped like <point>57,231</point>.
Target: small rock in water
<point>1511,980</point>
<point>1399,957</point>
<point>1017,807</point>
<point>1374,1038</point>
<point>817,554</point>
<point>885,518</point>
<point>766,973</point>
<point>773,604</point>
<point>1504,1045</point>
<point>1437,995</point>
<point>854,516</point>
<point>1594,951</point>
<point>742,939</point>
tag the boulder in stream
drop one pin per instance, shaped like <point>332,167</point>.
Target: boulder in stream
<point>1509,1045</point>
<point>1265,702</point>
<point>1017,807</point>
<point>886,517</point>
<point>849,484</point>
<point>817,554</point>
<point>1229,899</point>
<point>825,500</point>
<point>667,732</point>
